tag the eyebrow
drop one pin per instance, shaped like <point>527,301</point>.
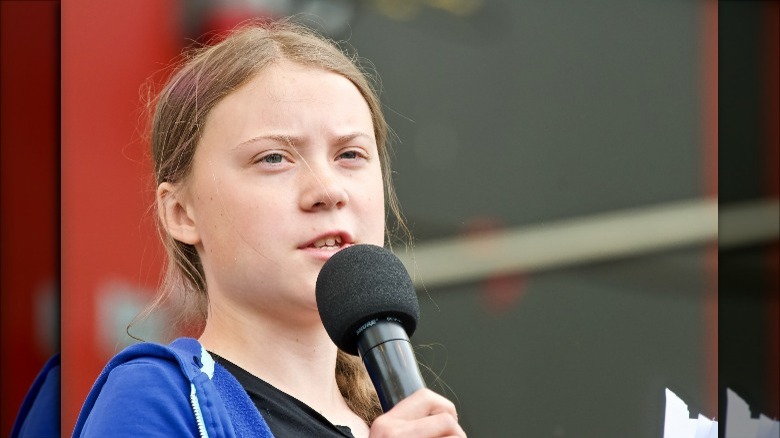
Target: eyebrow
<point>297,141</point>
<point>353,135</point>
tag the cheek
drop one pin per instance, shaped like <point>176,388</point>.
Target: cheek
<point>226,213</point>
<point>251,213</point>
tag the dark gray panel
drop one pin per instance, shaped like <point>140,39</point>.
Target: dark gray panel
<point>534,110</point>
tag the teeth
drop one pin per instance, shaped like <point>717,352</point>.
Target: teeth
<point>331,241</point>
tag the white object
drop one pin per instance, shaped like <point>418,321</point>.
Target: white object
<point>678,424</point>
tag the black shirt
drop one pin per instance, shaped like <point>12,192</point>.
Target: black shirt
<point>286,415</point>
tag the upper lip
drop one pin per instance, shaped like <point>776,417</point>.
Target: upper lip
<point>345,237</point>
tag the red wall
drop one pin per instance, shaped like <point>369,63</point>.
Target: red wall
<point>109,49</point>
<point>29,132</point>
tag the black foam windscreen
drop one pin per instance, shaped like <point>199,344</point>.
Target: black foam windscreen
<point>361,283</point>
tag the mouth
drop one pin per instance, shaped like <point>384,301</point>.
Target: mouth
<point>333,241</point>
<point>330,242</point>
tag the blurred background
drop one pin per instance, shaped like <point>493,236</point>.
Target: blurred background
<point>557,162</point>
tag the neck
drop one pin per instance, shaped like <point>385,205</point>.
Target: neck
<point>297,358</point>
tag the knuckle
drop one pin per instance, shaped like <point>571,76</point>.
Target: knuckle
<point>449,405</point>
<point>449,424</point>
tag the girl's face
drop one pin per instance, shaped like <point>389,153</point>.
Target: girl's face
<point>287,173</point>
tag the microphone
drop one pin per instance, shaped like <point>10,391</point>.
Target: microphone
<point>369,308</point>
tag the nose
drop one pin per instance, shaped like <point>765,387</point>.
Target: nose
<point>322,189</point>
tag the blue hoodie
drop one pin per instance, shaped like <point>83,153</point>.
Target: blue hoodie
<point>173,391</point>
<point>39,415</point>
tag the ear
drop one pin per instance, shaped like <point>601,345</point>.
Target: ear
<point>175,214</point>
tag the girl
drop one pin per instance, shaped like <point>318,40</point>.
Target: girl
<point>270,155</point>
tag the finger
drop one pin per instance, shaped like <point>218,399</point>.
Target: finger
<point>423,403</point>
<point>439,425</point>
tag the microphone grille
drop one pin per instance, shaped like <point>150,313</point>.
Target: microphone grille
<point>361,283</point>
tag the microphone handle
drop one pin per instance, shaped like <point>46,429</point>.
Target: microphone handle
<point>389,359</point>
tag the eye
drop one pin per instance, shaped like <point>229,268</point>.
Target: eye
<point>271,158</point>
<point>352,154</point>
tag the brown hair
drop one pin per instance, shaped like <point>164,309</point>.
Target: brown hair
<point>208,74</point>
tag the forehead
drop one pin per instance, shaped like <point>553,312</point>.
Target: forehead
<point>284,79</point>
<point>288,83</point>
<point>290,98</point>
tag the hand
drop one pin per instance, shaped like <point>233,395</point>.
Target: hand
<point>424,414</point>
